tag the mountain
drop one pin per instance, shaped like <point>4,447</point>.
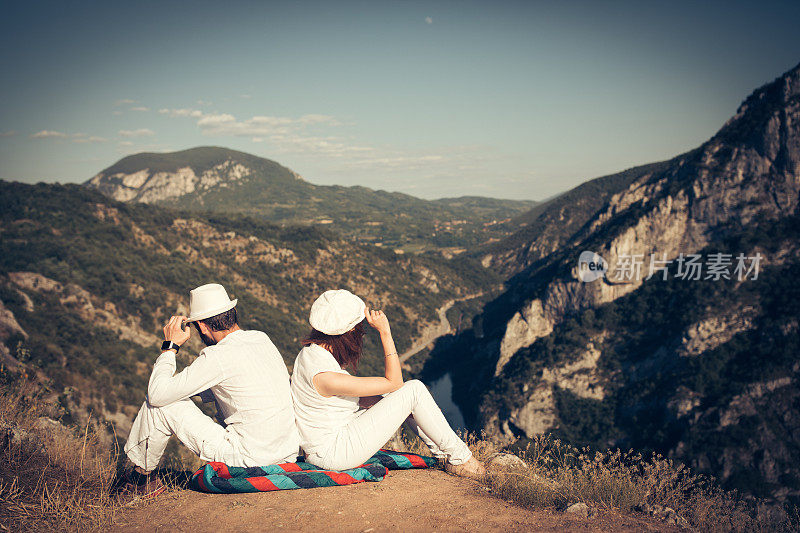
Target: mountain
<point>556,222</point>
<point>223,180</point>
<point>86,283</point>
<point>704,371</point>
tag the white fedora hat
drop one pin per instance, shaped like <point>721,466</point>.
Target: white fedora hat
<point>336,312</point>
<point>207,301</point>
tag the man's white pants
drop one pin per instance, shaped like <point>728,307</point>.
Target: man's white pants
<point>153,427</point>
<point>362,437</point>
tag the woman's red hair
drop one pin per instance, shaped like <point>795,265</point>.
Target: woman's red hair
<point>346,348</point>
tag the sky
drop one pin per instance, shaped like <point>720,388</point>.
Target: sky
<point>436,99</point>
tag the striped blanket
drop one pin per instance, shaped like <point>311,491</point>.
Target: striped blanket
<point>222,479</point>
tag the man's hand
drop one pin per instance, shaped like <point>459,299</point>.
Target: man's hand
<point>378,320</point>
<point>173,330</point>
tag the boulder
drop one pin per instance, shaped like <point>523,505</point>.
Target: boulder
<point>506,461</point>
<point>578,509</point>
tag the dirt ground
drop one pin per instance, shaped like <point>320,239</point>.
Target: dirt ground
<point>406,500</point>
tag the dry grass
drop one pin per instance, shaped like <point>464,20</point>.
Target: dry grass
<point>556,475</point>
<point>51,478</point>
<point>55,478</point>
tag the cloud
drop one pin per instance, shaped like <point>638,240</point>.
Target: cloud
<point>83,138</point>
<point>140,108</point>
<point>49,134</point>
<point>74,137</point>
<point>256,126</point>
<point>143,132</point>
<point>331,147</point>
<point>260,125</point>
<point>428,20</point>
<point>246,96</point>
<point>404,161</point>
<point>9,133</point>
<point>125,101</point>
<point>194,113</point>
<point>319,119</point>
<point>216,120</point>
<point>127,147</point>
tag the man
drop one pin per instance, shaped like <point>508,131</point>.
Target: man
<point>248,379</point>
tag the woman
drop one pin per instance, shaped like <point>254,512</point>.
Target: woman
<point>335,431</point>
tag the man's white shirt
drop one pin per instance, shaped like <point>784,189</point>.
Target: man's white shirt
<point>250,383</point>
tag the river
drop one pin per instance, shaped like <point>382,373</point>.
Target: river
<point>442,392</point>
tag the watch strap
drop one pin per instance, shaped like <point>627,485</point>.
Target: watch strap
<point>169,345</point>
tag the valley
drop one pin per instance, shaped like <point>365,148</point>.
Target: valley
<point>483,294</point>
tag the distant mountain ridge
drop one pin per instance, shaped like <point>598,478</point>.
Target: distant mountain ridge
<point>223,180</point>
<point>557,221</point>
<point>159,177</point>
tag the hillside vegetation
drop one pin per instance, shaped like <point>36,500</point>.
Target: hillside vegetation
<point>86,283</point>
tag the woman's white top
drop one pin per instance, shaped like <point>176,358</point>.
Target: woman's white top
<point>318,418</point>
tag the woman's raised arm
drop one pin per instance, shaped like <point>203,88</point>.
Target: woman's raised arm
<point>336,384</point>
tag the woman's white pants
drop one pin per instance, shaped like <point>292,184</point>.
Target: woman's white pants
<point>363,436</point>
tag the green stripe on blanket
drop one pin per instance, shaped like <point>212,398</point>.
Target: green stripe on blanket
<point>220,478</point>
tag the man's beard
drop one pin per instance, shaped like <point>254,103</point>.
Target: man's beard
<point>207,340</point>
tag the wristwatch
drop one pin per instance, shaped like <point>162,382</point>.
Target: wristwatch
<point>169,345</point>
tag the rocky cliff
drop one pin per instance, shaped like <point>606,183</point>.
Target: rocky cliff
<point>704,370</point>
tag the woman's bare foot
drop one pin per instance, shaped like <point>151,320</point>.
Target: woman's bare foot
<point>472,469</point>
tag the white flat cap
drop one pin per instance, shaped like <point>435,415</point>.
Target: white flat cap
<point>336,312</point>
<point>207,301</point>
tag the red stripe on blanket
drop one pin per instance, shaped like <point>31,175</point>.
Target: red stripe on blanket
<point>290,467</point>
<point>340,478</point>
<point>221,469</point>
<point>262,484</point>
<point>416,460</point>
<point>198,476</point>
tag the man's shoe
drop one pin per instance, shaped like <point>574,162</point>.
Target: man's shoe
<point>472,469</point>
<point>142,486</point>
